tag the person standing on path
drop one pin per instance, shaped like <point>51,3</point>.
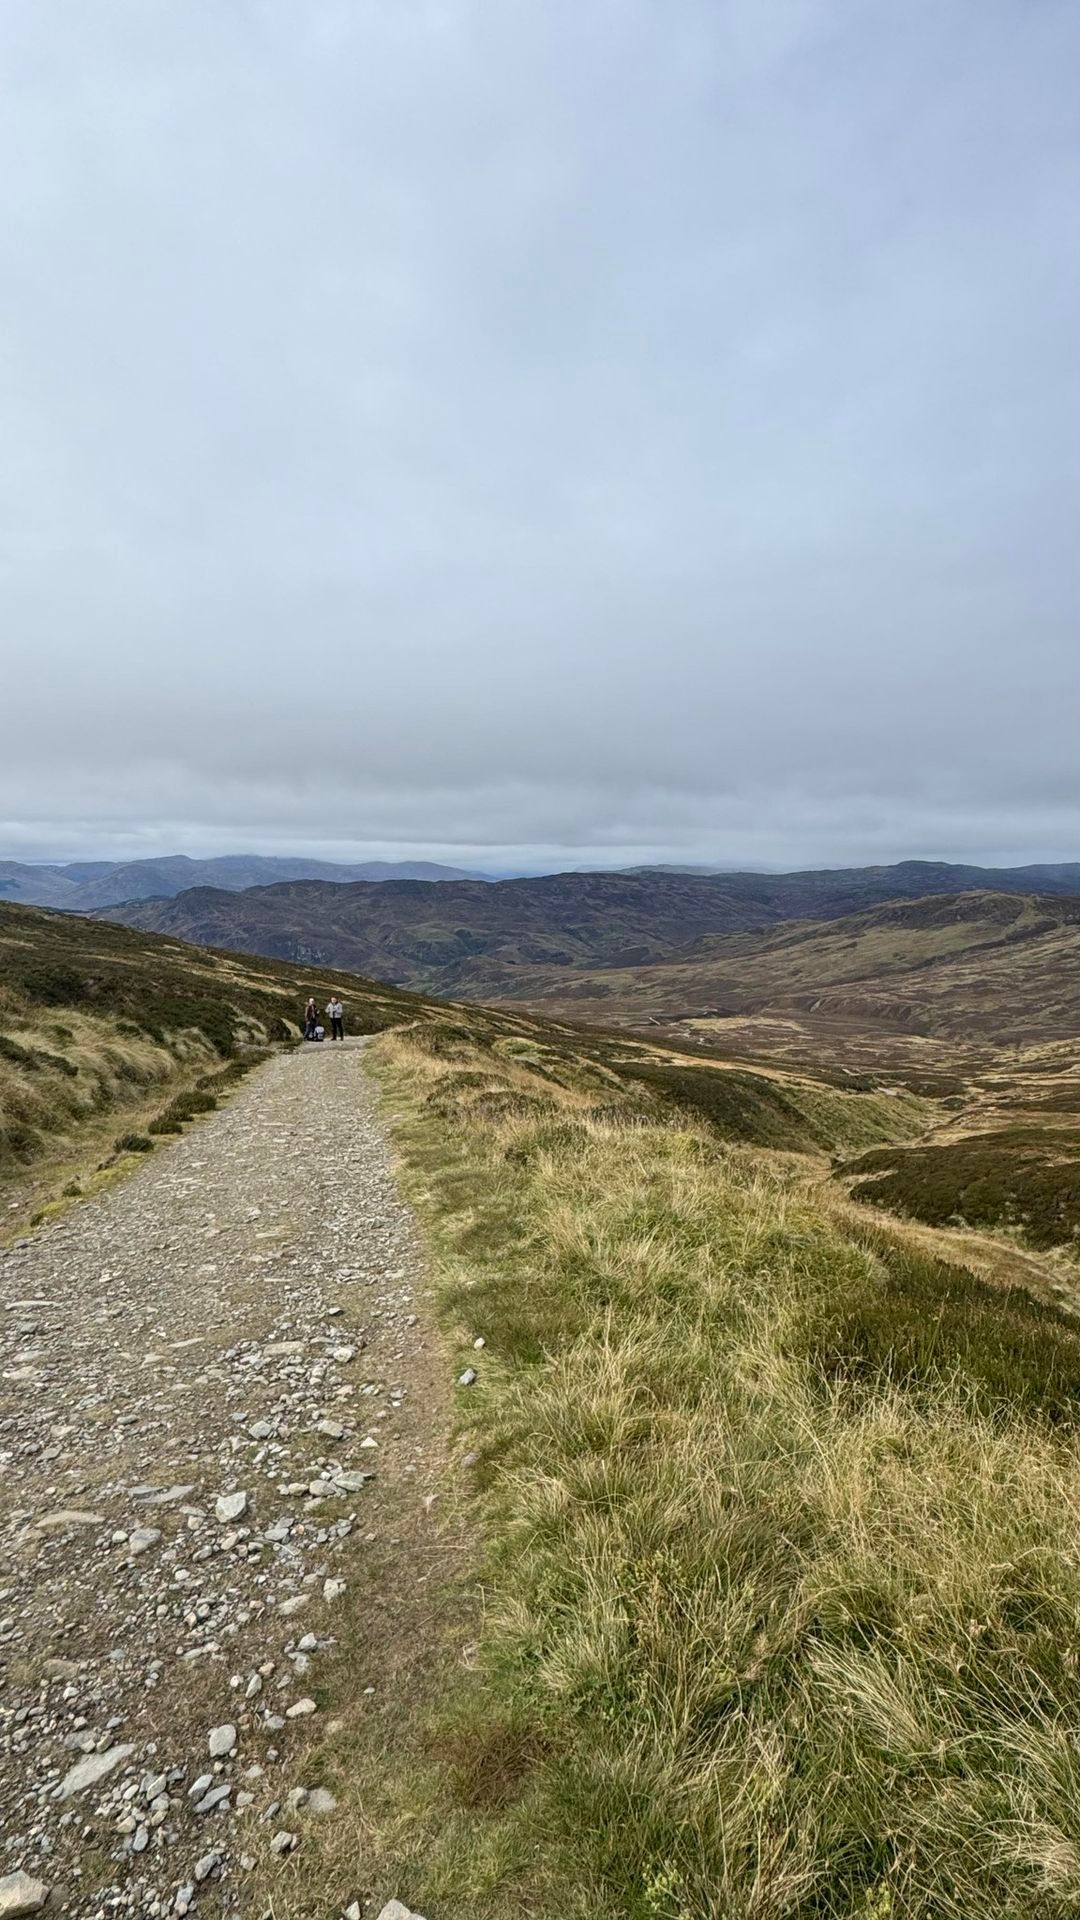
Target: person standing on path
<point>336,1016</point>
<point>311,1019</point>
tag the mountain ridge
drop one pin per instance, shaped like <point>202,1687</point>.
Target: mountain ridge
<point>84,886</point>
<point>477,939</point>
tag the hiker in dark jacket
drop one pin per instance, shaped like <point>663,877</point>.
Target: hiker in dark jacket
<point>311,1019</point>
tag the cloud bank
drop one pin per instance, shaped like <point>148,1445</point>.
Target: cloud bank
<point>540,433</point>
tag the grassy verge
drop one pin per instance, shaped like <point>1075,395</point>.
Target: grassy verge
<point>780,1588</point>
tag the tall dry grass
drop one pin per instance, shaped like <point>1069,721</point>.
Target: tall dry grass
<point>55,1074</point>
<point>782,1611</point>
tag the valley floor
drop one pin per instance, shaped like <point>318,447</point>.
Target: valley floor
<point>200,1370</point>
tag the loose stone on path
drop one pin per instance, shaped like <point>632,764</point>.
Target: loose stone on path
<point>19,1894</point>
<point>87,1773</point>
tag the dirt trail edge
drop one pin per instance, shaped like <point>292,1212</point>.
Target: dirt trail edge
<point>200,1372</point>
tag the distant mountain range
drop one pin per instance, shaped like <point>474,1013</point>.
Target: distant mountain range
<point>483,940</point>
<point>84,886</point>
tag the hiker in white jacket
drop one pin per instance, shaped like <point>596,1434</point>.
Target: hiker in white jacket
<point>335,1013</point>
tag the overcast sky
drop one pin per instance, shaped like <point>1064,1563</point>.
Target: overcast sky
<point>540,431</point>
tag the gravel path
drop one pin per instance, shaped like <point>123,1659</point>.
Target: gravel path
<point>199,1371</point>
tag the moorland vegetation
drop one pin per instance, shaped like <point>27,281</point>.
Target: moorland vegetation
<point>780,1593</point>
<point>973,1000</point>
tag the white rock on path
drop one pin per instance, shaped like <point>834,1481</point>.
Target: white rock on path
<point>69,1517</point>
<point>394,1910</point>
<point>222,1741</point>
<point>216,1797</point>
<point>19,1894</point>
<point>89,1771</point>
<point>230,1506</point>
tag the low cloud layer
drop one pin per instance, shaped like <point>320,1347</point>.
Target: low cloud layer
<point>561,431</point>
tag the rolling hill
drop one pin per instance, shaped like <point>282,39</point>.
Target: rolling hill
<point>983,966</point>
<point>477,940</point>
<point>974,998</point>
<point>82,886</point>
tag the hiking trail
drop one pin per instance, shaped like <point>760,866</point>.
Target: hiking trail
<point>199,1370</point>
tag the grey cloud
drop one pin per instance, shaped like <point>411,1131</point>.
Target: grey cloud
<point>542,431</point>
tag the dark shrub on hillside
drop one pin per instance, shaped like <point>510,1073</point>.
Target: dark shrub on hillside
<point>18,1056</point>
<point>1015,1178</point>
<point>18,1142</point>
<point>184,1107</point>
<point>165,1014</point>
<point>53,985</point>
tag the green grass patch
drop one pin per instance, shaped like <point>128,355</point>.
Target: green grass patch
<point>919,1321</point>
<point>795,1117</point>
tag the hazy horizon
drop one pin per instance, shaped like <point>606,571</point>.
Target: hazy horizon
<point>489,867</point>
<point>586,434</point>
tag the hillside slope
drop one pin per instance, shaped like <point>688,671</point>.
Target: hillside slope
<point>987,965</point>
<point>470,939</point>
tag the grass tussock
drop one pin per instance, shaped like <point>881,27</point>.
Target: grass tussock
<point>782,1597</point>
<point>102,1068</point>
